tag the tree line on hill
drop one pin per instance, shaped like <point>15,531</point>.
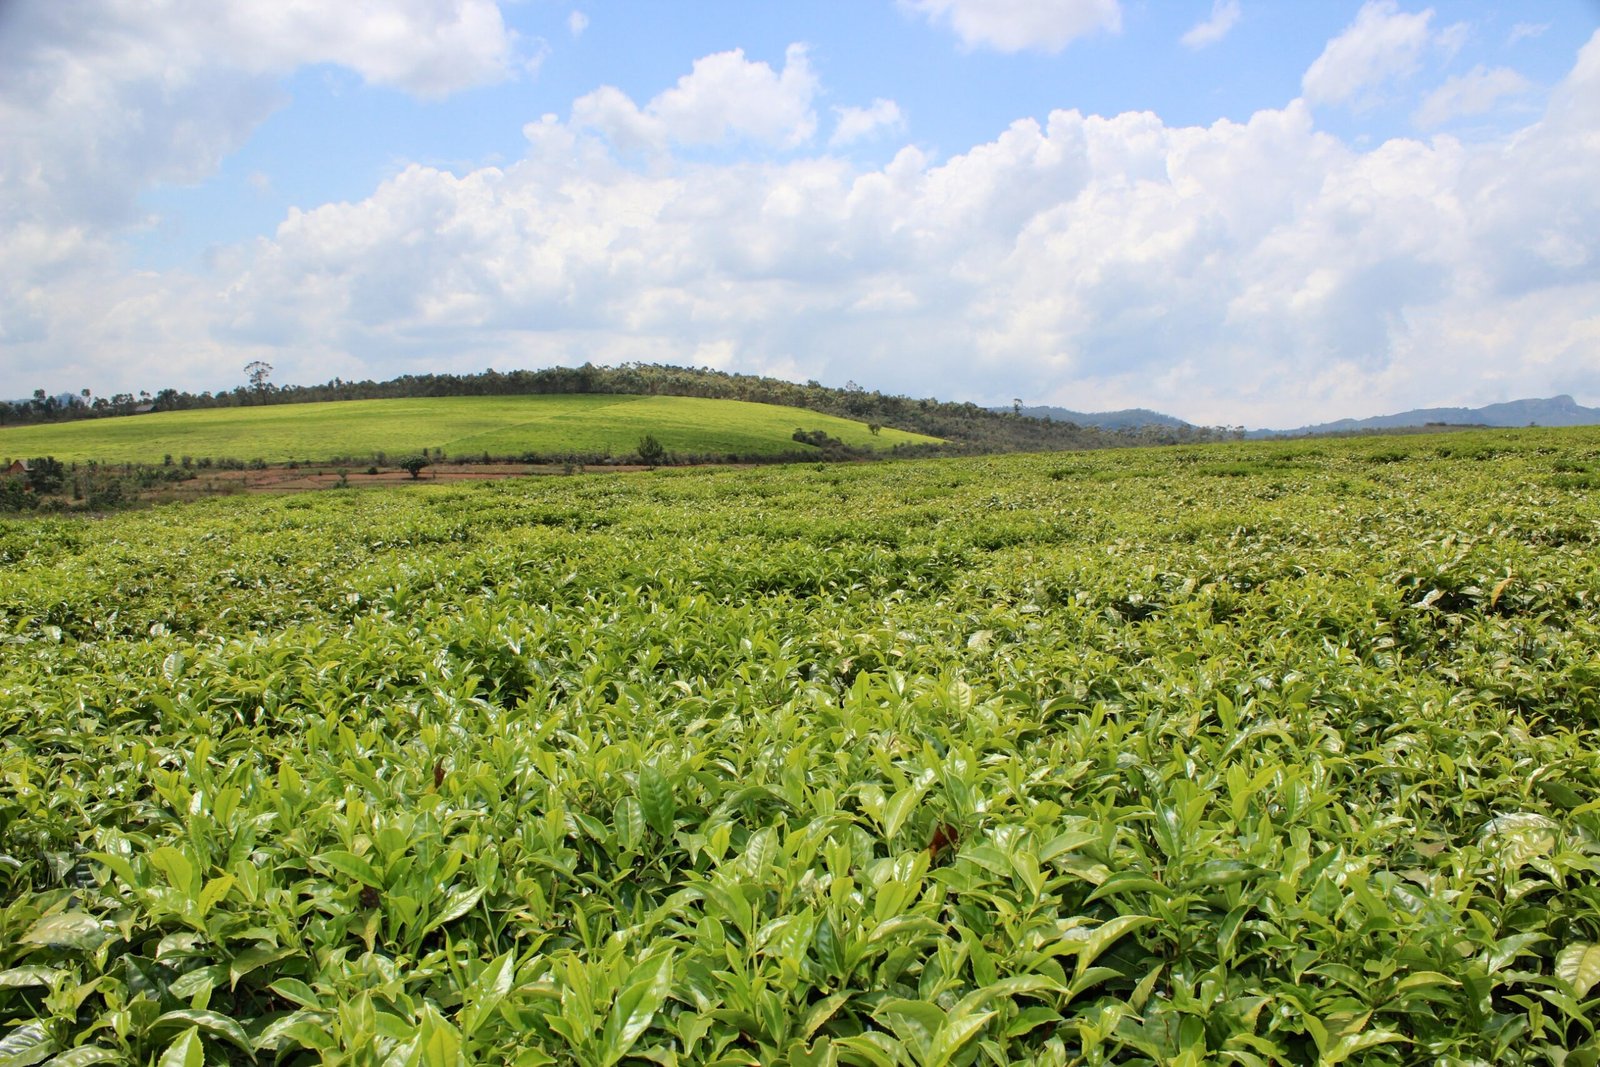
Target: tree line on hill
<point>969,427</point>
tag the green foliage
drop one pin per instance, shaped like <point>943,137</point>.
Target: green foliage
<point>49,484</point>
<point>650,451</point>
<point>1037,760</point>
<point>15,494</point>
<point>46,474</point>
<point>821,438</point>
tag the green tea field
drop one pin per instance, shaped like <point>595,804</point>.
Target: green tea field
<point>1258,753</point>
<point>459,426</point>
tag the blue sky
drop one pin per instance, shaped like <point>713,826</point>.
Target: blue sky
<point>1236,211</point>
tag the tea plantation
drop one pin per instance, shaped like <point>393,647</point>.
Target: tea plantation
<point>454,426</point>
<point>1275,753</point>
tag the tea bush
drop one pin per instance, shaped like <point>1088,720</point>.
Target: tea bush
<point>943,762</point>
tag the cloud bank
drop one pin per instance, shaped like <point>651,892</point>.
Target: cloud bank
<point>1260,272</point>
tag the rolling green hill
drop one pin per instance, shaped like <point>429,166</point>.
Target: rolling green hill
<point>460,426</point>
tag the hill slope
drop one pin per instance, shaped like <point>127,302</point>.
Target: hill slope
<point>964,426</point>
<point>460,426</point>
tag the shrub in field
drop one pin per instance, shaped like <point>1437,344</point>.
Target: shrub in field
<point>15,495</point>
<point>650,451</point>
<point>817,438</point>
<point>45,474</point>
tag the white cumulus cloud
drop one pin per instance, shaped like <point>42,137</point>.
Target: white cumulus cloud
<point>103,98</point>
<point>1261,272</point>
<point>1473,93</point>
<point>725,95</point>
<point>1224,14</point>
<point>860,123</point>
<point>1383,45</point>
<point>1526,31</point>
<point>427,47</point>
<point>1021,25</point>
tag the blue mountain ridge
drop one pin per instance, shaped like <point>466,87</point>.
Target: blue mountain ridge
<point>1553,411</point>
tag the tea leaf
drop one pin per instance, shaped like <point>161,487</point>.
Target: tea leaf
<point>209,1021</point>
<point>67,929</point>
<point>351,866</point>
<point>641,997</point>
<point>1579,966</point>
<point>26,1045</point>
<point>22,977</point>
<point>185,1051</point>
<point>656,800</point>
<point>85,1056</point>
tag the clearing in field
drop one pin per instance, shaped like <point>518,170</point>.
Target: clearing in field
<point>498,426</point>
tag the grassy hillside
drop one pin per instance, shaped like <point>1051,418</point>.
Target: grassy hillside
<point>965,425</point>
<point>461,426</point>
<point>1236,754</point>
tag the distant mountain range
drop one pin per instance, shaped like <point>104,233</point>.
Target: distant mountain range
<point>1127,419</point>
<point>1554,411</point>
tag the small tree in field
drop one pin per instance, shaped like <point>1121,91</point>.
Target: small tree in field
<point>651,451</point>
<point>414,465</point>
<point>46,474</point>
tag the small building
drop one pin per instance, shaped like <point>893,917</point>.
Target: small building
<point>18,466</point>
